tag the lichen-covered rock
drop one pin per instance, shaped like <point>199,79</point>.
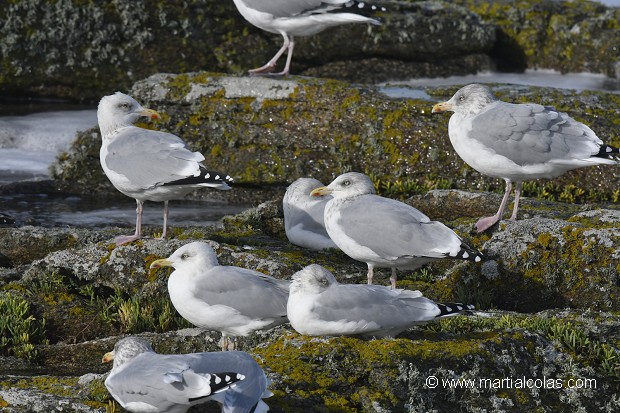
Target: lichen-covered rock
<point>266,131</point>
<point>89,294</point>
<point>85,50</point>
<point>568,36</point>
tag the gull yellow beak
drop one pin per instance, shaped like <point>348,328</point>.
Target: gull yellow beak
<point>149,113</point>
<point>442,107</point>
<point>321,191</point>
<point>161,263</point>
<point>108,357</point>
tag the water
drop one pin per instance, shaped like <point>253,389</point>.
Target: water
<point>543,78</point>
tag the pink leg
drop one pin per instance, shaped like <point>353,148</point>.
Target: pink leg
<point>393,278</point>
<point>270,65</point>
<point>370,273</point>
<point>138,234</point>
<point>289,57</point>
<point>515,208</point>
<point>485,223</point>
<point>163,234</point>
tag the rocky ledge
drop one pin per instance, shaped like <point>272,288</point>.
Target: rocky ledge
<point>544,335</point>
<point>82,50</point>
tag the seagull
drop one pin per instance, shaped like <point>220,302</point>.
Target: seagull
<point>144,381</point>
<point>383,232</point>
<point>235,301</point>
<point>518,142</point>
<point>148,165</point>
<point>320,306</point>
<point>292,18</point>
<point>303,215</point>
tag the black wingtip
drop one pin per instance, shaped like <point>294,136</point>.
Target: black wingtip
<point>220,382</point>
<point>205,177</point>
<point>468,253</point>
<point>607,151</point>
<point>447,309</point>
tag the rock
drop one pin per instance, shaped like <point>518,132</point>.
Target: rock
<point>562,35</point>
<point>558,272</point>
<point>266,132</point>
<point>106,46</point>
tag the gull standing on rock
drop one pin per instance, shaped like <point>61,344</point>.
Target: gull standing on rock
<point>144,381</point>
<point>383,232</point>
<point>291,18</point>
<point>233,300</point>
<point>304,215</point>
<point>518,142</point>
<point>320,306</point>
<point>148,165</point>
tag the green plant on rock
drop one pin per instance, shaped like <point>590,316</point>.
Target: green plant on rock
<point>139,314</point>
<point>19,329</point>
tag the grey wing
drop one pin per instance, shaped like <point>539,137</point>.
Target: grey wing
<point>283,8</point>
<point>246,393</point>
<point>375,304</point>
<point>144,381</point>
<point>393,229</point>
<point>530,133</point>
<point>149,158</point>
<point>252,294</point>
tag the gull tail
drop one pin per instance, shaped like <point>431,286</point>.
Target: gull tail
<point>450,309</point>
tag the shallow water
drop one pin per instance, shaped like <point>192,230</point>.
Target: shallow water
<point>542,78</point>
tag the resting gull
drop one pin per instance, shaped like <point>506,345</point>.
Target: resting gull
<point>291,18</point>
<point>518,142</point>
<point>383,232</point>
<point>235,301</point>
<point>320,306</point>
<point>148,165</point>
<point>144,381</point>
<point>303,215</point>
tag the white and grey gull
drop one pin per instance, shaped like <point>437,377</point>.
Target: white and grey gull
<point>148,165</point>
<point>291,18</point>
<point>319,305</point>
<point>383,232</point>
<point>304,223</point>
<point>142,380</point>
<point>518,142</point>
<point>232,300</point>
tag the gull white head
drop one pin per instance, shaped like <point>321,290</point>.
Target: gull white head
<point>347,185</point>
<point>470,99</point>
<point>120,110</point>
<point>313,279</point>
<point>126,350</point>
<point>196,255</point>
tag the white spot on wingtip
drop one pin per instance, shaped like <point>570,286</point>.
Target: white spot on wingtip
<point>217,380</point>
<point>207,175</point>
<point>478,259</point>
<point>465,255</point>
<point>217,177</point>
<point>227,378</point>
<point>360,5</point>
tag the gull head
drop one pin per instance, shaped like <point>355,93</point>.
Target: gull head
<point>193,256</point>
<point>347,185</point>
<point>312,279</point>
<point>468,100</point>
<point>119,110</point>
<point>125,350</point>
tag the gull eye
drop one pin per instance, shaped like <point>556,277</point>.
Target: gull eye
<point>346,182</point>
<point>324,282</point>
<point>461,98</point>
<point>185,256</point>
<point>124,106</point>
